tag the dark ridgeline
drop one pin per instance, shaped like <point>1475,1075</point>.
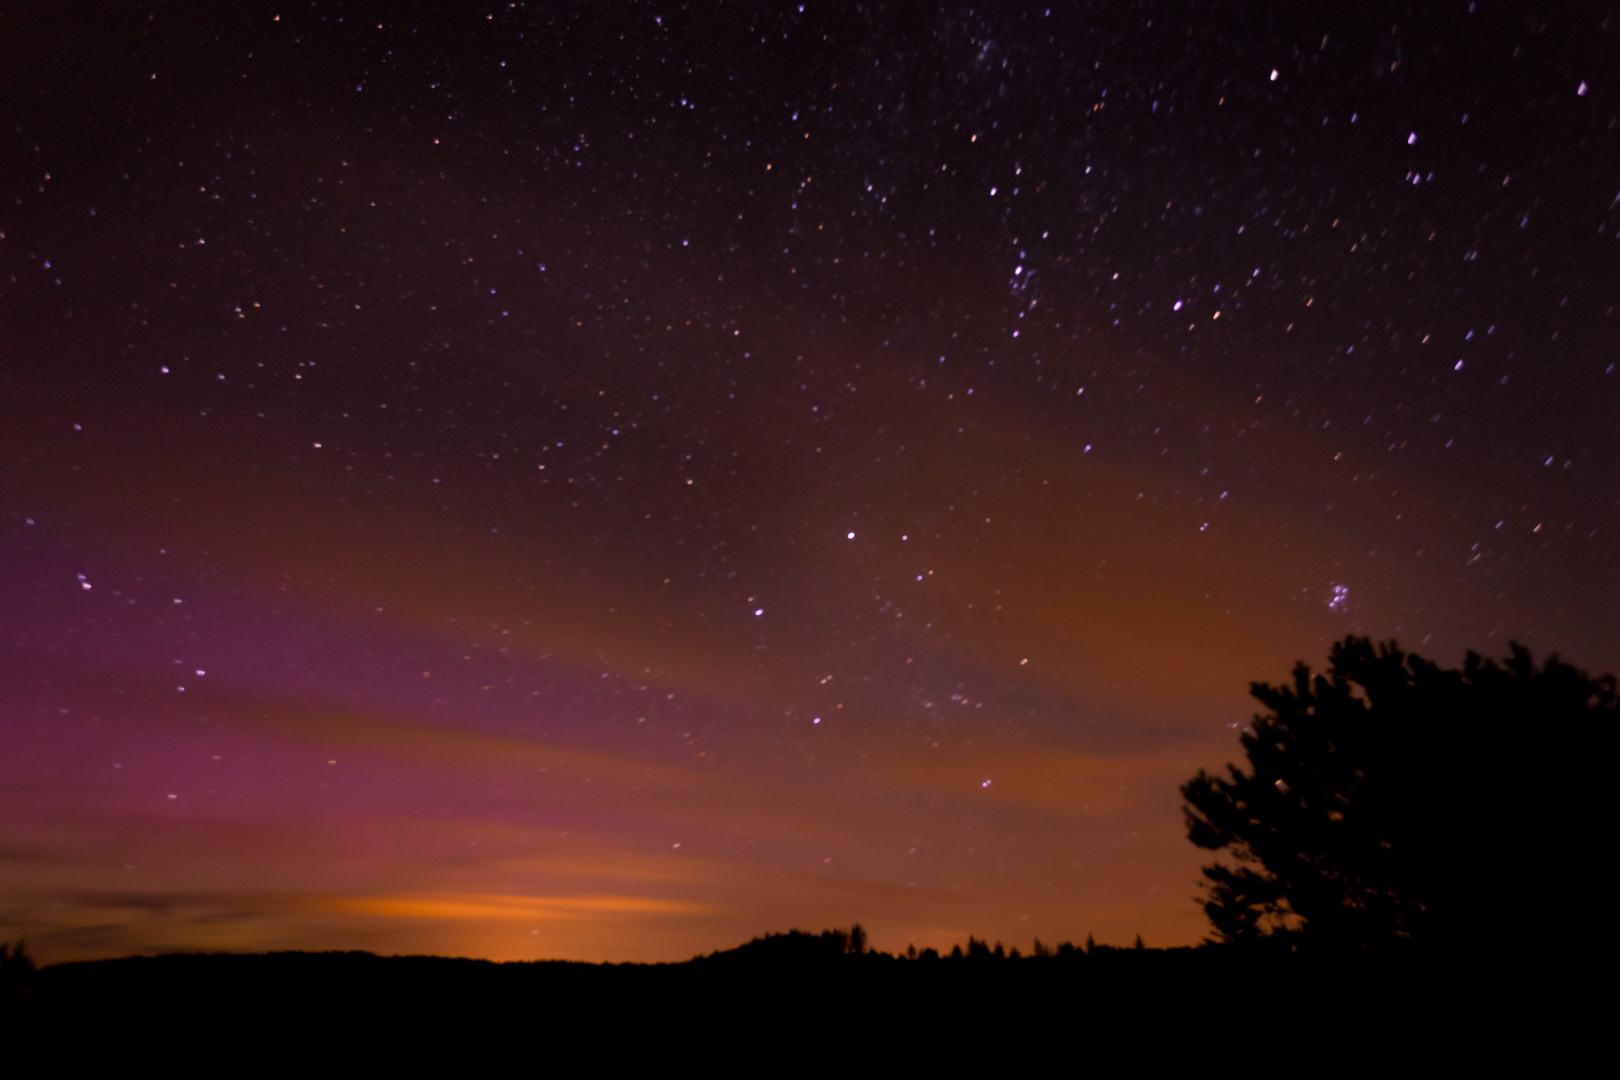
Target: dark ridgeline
<point>774,1001</point>
<point>1393,804</point>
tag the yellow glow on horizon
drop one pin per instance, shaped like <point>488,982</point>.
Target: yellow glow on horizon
<point>503,906</point>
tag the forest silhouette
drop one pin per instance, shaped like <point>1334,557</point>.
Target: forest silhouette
<point>1393,818</point>
<point>776,1000</point>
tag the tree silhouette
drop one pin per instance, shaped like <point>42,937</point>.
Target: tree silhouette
<point>1392,800</point>
<point>16,965</point>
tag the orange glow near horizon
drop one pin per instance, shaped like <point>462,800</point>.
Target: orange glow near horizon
<point>1094,602</point>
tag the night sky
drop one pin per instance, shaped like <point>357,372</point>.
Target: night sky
<point>607,480</point>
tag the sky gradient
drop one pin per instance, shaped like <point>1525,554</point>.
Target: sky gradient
<point>606,481</point>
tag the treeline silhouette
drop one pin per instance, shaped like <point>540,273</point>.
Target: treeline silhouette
<point>780,994</point>
<point>797,946</point>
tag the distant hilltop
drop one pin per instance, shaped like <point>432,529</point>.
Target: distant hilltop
<point>767,996</point>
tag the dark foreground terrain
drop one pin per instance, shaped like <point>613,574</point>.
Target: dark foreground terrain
<point>787,1000</point>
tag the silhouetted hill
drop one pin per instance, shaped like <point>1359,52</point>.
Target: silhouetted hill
<point>793,994</point>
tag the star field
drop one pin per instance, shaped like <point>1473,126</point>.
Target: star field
<point>605,481</point>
